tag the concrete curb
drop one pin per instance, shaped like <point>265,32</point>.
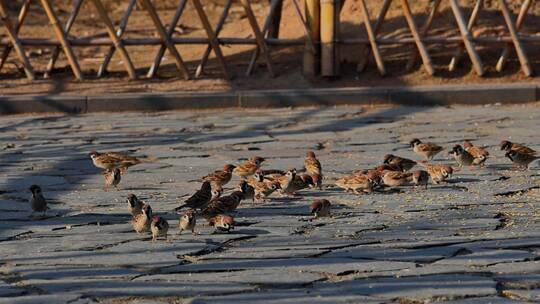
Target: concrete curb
<point>148,102</point>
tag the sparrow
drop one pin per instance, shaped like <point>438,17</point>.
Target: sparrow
<point>134,204</point>
<point>187,222</point>
<point>301,181</point>
<point>438,173</point>
<point>37,201</point>
<point>313,168</point>
<point>521,159</point>
<point>220,178</point>
<point>112,178</point>
<point>141,222</point>
<point>508,146</point>
<point>247,190</point>
<point>112,160</point>
<point>265,189</point>
<point>224,204</point>
<point>271,172</point>
<point>286,186</point>
<point>462,157</point>
<point>396,179</point>
<point>427,150</point>
<point>159,228</point>
<point>357,183</point>
<point>200,199</point>
<point>480,154</point>
<point>420,178</point>
<point>404,164</point>
<point>222,222</point>
<point>249,167</point>
<point>320,208</point>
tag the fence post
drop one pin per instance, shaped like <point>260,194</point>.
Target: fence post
<point>329,29</point>
<point>311,57</point>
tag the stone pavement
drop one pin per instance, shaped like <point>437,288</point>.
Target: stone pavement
<point>475,239</point>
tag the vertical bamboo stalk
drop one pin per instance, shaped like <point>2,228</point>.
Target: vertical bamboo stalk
<point>522,56</point>
<point>364,50</point>
<point>212,38</point>
<point>311,58</point>
<point>329,28</point>
<point>22,15</point>
<point>61,35</point>
<point>467,38</point>
<point>520,19</point>
<point>208,49</point>
<point>275,21</point>
<point>56,51</point>
<point>120,32</point>
<point>159,56</point>
<point>472,21</point>
<point>417,38</point>
<point>12,35</point>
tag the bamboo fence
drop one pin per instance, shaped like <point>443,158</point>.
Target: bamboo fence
<point>320,21</point>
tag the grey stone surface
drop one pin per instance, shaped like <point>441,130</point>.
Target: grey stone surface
<point>474,239</point>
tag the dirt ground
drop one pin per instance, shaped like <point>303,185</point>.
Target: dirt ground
<point>288,60</point>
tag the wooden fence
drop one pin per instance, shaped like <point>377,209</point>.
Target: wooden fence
<point>320,20</point>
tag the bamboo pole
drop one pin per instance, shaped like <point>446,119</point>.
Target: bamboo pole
<point>159,56</point>
<point>56,51</point>
<point>275,21</point>
<point>22,15</point>
<point>219,26</point>
<point>120,32</point>
<point>371,36</point>
<point>424,31</point>
<point>417,39</point>
<point>311,58</point>
<point>117,42</point>
<point>364,50</point>
<point>467,38</point>
<point>520,19</point>
<point>267,24</point>
<point>522,56</point>
<point>61,35</point>
<point>472,21</point>
<point>12,36</point>
<point>212,38</point>
<point>261,42</point>
<point>329,23</point>
<point>166,39</point>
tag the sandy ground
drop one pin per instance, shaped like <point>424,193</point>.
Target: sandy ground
<point>288,60</point>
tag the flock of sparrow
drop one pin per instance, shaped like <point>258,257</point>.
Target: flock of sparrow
<point>257,184</point>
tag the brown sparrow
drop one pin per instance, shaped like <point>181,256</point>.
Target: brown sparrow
<point>222,222</point>
<point>508,146</point>
<point>522,160</point>
<point>420,178</point>
<point>141,222</point>
<point>37,201</point>
<point>387,167</point>
<point>320,208</point>
<point>438,173</point>
<point>265,189</point>
<point>220,178</point>
<point>247,190</point>
<point>187,222</point>
<point>112,178</point>
<point>271,172</point>
<point>462,157</point>
<point>427,150</point>
<point>301,181</point>
<point>399,162</point>
<point>112,160</point>
<point>134,204</point>
<point>224,204</point>
<point>358,183</point>
<point>480,154</point>
<point>286,186</point>
<point>313,168</point>
<point>249,167</point>
<point>159,228</point>
<point>200,199</point>
<point>396,178</point>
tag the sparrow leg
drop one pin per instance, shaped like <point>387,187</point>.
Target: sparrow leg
<point>193,232</point>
